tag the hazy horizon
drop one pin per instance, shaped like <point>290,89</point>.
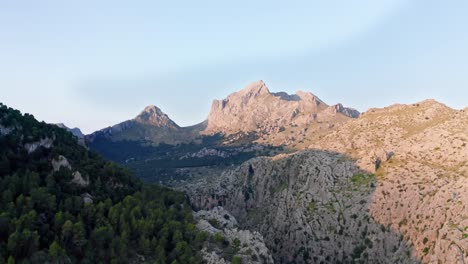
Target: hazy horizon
<point>92,65</point>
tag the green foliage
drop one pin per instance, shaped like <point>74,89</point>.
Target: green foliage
<point>358,250</point>
<point>57,253</point>
<point>219,239</point>
<point>236,260</point>
<point>283,186</point>
<point>44,219</point>
<point>362,179</point>
<point>236,243</point>
<point>426,250</point>
<point>312,207</point>
<point>214,223</point>
<point>159,163</point>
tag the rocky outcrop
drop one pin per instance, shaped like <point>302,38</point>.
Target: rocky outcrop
<point>60,162</point>
<point>45,143</point>
<point>212,257</point>
<point>222,217</point>
<point>87,198</point>
<point>350,112</point>
<point>256,109</point>
<point>247,246</point>
<point>5,130</point>
<point>311,207</point>
<point>79,179</point>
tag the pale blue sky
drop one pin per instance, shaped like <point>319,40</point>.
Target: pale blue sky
<point>92,64</point>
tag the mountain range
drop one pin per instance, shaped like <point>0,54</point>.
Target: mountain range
<point>286,178</point>
<point>322,184</point>
<point>253,109</point>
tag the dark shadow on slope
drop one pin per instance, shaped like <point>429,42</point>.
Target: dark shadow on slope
<point>311,207</point>
<point>170,164</point>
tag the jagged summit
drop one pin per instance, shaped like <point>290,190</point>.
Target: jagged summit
<point>347,111</point>
<point>255,108</point>
<point>151,108</point>
<point>152,115</point>
<point>255,89</point>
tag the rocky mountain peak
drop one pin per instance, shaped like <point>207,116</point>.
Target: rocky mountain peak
<point>256,109</point>
<point>152,115</point>
<point>255,89</point>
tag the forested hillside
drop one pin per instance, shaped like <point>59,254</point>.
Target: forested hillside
<point>61,203</point>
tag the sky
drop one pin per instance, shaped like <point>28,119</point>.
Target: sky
<point>92,64</point>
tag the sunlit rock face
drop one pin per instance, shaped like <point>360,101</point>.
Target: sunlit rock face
<point>154,116</point>
<point>255,108</point>
<point>387,187</point>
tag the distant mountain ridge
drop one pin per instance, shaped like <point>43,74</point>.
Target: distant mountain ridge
<point>75,131</point>
<point>152,126</point>
<point>252,110</point>
<point>247,123</point>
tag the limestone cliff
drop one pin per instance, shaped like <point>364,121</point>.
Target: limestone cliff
<point>256,109</point>
<point>311,207</point>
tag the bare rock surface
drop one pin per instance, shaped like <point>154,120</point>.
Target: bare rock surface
<point>79,179</point>
<point>4,130</point>
<point>60,162</point>
<point>311,207</point>
<point>154,116</point>
<point>218,214</point>
<point>419,154</point>
<point>45,143</point>
<point>247,246</point>
<point>256,109</point>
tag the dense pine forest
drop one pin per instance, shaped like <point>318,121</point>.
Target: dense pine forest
<point>61,203</point>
